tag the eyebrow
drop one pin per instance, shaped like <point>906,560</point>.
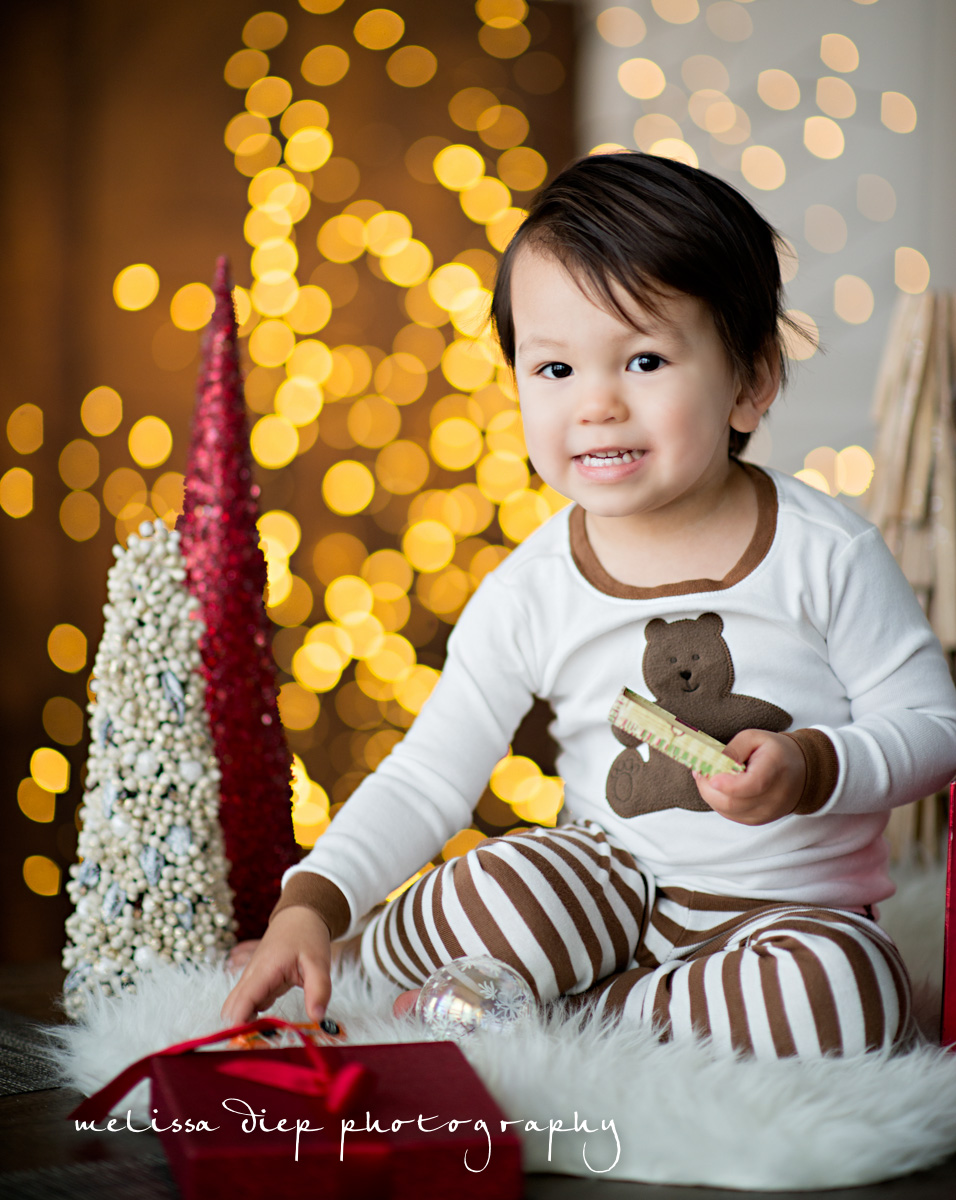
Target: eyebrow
<point>540,342</point>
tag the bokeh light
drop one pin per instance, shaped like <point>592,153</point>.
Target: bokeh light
<point>823,137</point>
<point>136,287</point>
<point>36,803</point>
<point>274,441</point>
<point>41,875</point>
<point>897,112</point>
<point>80,516</point>
<point>16,492</point>
<point>411,66</point>
<point>824,228</point>
<point>729,21</point>
<point>763,167</point>
<point>910,270</point>
<point>348,487</point>
<point>25,428</point>
<point>853,299</point>
<point>150,441</point>
<point>839,52</point>
<point>801,345</point>
<point>245,67</point>
<point>67,648</point>
<point>621,26</point>
<point>836,97</point>
<point>50,769</point>
<point>124,492</point>
<point>677,12</point>
<point>264,30</point>
<point>192,306</point>
<point>778,89</point>
<point>875,198</point>
<point>101,411</point>
<point>325,65</point>
<point>641,78</point>
<point>63,720</point>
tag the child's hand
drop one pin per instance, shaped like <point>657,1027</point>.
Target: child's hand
<point>770,787</point>
<point>296,951</point>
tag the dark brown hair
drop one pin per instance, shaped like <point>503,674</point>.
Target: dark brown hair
<point>649,226</point>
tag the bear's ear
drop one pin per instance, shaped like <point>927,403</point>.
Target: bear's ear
<point>655,628</point>
<point>711,621</point>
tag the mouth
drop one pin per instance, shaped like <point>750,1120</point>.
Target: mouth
<point>609,458</point>
<point>690,688</point>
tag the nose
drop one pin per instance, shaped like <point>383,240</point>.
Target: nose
<point>685,674</point>
<point>600,404</point>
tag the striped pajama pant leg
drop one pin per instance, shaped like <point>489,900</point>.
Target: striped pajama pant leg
<point>569,909</point>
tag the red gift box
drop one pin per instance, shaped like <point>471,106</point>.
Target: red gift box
<point>408,1122</point>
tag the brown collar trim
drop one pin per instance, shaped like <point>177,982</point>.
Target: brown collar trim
<point>587,561</point>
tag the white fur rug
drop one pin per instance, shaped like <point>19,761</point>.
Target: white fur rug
<point>670,1114</point>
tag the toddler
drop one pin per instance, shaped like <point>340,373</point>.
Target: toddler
<point>640,307</point>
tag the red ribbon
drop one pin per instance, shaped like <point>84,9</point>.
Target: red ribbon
<point>341,1089</point>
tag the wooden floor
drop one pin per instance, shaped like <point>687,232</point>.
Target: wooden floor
<point>35,1134</point>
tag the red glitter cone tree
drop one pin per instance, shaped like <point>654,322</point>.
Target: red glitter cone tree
<point>226,572</point>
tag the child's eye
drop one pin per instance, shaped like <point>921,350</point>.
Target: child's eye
<point>556,370</point>
<point>645,363</point>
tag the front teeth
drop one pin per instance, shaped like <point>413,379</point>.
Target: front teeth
<point>608,460</point>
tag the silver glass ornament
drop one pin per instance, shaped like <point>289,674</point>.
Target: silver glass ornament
<point>473,993</point>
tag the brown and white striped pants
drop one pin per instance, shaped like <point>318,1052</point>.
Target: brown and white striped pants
<point>572,912</point>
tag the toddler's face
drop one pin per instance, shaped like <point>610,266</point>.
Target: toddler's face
<point>623,422</point>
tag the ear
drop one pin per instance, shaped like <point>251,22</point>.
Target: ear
<point>754,398</point>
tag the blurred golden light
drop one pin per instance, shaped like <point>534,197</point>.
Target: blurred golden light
<point>274,441</point>
<point>25,428</point>
<point>244,67</point>
<point>279,532</point>
<point>150,441</point>
<point>467,365</point>
<point>466,107</point>
<point>365,632</point>
<point>16,492</point>
<point>35,802</point>
<point>852,299</point>
<point>823,460</point>
<point>704,71</point>
<point>824,228</point>
<point>327,633</point>
<point>257,153</point>
<point>401,377</point>
<point>294,608</point>
<point>124,492</point>
<point>486,560</point>
<point>320,6</point>
<point>800,346</point>
<point>351,371</point>
<point>379,746</point>
<point>486,201</point>
<point>192,306</point>
<point>311,311</point>
<point>245,125</point>
<point>875,197</point>
<point>339,280</point>
<point>67,648</point>
<point>310,358</point>
<point>342,238</point>
<point>788,259</point>
<point>911,270</point>
<point>411,66</point>
<point>522,168</point>
<point>678,12</point>
<point>521,513</point>
<point>261,226</point>
<point>173,348</point>
<point>504,42</point>
<point>41,875</point>
<point>308,149</point>
<point>444,592</point>
<point>510,773</point>
<point>378,29</point>
<point>422,308</point>
<point>677,149</point>
<point>337,554</point>
<point>264,30</point>
<point>402,467</point>
<point>50,770</point>
<point>836,97</point>
<point>428,545</point>
<point>304,114</point>
<point>505,432</point>
<point>501,473</point>
<point>348,487</point>
<point>409,266</point>
<point>540,800</point>
<point>641,78</point>
<point>317,666</point>
<point>387,232</point>
<point>728,123</point>
<point>325,65</point>
<point>711,110</point>
<point>168,494</point>
<point>412,691</point>
<point>839,53</point>
<point>457,167</point>
<point>136,287</point>
<point>621,26</point>
<point>63,720</point>
<point>374,421</point>
<point>299,400</point>
<point>461,843</point>
<point>501,14</point>
<point>763,167</point>
<point>450,281</point>
<point>80,516</point>
<point>854,470</point>
<point>100,412</point>
<point>271,343</point>
<point>242,305</point>
<point>729,21</point>
<point>898,112</point>
<point>455,444</point>
<point>275,299</point>
<point>823,137</point>
<point>778,89</point>
<point>503,126</point>
<point>347,595</point>
<point>387,569</point>
<point>394,659</point>
<point>298,708</point>
<point>271,189</point>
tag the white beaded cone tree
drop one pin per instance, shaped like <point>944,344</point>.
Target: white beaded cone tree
<point>151,884</point>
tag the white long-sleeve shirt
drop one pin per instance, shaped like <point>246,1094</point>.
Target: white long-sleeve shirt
<point>818,620</point>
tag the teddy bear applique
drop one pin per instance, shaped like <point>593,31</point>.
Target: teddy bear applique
<point>687,666</point>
